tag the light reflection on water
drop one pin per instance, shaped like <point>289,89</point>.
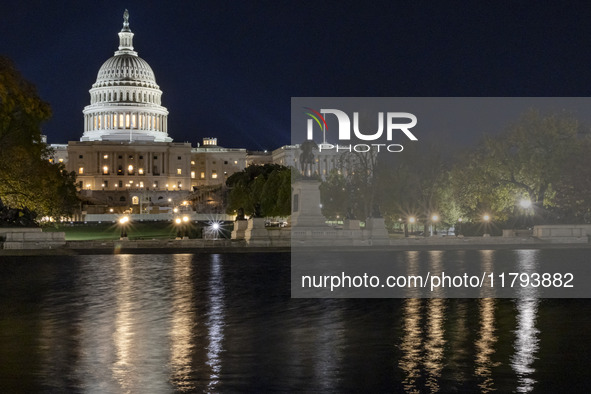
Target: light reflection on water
<point>182,324</point>
<point>411,345</point>
<point>526,342</point>
<point>485,345</point>
<point>214,323</point>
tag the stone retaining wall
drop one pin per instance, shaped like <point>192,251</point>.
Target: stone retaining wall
<point>31,238</point>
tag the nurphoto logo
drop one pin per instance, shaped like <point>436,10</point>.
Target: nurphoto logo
<point>344,130</point>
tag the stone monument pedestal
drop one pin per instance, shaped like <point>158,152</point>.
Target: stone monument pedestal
<point>256,233</point>
<point>239,229</point>
<point>377,232</point>
<point>306,204</point>
<point>351,224</point>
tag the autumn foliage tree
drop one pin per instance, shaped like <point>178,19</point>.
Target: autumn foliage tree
<point>28,180</point>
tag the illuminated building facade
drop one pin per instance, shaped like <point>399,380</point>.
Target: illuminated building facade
<point>125,157</point>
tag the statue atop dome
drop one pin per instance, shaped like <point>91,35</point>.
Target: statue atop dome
<point>126,21</point>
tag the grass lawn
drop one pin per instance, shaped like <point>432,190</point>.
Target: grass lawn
<point>112,231</point>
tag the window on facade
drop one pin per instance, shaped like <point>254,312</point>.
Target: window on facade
<point>192,162</point>
<point>141,157</point>
<point>225,162</point>
<point>155,157</point>
<point>105,156</point>
<point>141,184</point>
<point>130,157</point>
<point>105,170</point>
<point>80,156</point>
<point>121,157</point>
<point>122,198</point>
<point>130,169</point>
<point>202,175</point>
<point>235,161</point>
<point>214,174</point>
<point>106,184</point>
<point>140,171</point>
<point>192,174</point>
<point>178,157</point>
<point>81,170</point>
<point>120,183</point>
<point>61,160</point>
<point>179,171</point>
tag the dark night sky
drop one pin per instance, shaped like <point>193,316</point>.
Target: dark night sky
<point>229,69</point>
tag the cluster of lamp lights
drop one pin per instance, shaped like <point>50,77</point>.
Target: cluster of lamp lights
<point>140,185</point>
<point>435,218</point>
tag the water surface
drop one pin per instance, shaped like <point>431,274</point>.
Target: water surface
<point>226,323</point>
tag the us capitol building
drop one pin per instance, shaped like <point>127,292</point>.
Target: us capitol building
<point>125,159</point>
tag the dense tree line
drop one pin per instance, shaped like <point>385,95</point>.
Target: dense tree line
<point>29,182</point>
<point>541,158</point>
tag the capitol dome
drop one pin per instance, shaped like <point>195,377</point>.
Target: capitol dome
<point>126,68</point>
<point>125,100</point>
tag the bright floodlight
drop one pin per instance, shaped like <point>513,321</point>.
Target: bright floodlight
<point>213,229</point>
<point>525,203</point>
<point>486,218</point>
<point>435,218</point>
<point>185,219</point>
<point>123,220</point>
<point>177,220</point>
<point>460,220</point>
<point>411,219</point>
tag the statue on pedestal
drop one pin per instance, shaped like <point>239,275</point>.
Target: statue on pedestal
<point>240,214</point>
<point>307,157</point>
<point>16,217</point>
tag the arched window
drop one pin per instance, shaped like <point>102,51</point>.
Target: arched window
<point>135,200</point>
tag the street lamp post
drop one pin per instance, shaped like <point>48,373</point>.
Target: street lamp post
<point>123,221</point>
<point>178,222</point>
<point>434,220</point>
<point>185,223</point>
<point>526,206</point>
<point>412,221</point>
<point>460,230</point>
<point>486,219</point>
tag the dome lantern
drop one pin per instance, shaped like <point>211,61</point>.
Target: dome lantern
<point>126,38</point>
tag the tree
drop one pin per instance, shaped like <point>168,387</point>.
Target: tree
<point>334,195</point>
<point>415,183</point>
<point>526,161</point>
<point>572,192</point>
<point>350,190</point>
<point>28,180</point>
<point>268,185</point>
